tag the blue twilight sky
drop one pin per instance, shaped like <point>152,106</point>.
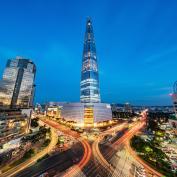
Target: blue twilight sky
<point>136,44</point>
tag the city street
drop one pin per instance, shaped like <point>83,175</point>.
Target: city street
<point>27,163</point>
<point>117,159</point>
<point>96,151</point>
<point>76,169</point>
<point>113,159</point>
<point>125,158</point>
<point>55,164</point>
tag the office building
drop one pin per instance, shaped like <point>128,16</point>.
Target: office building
<point>17,85</point>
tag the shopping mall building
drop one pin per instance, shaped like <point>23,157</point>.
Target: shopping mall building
<point>84,114</point>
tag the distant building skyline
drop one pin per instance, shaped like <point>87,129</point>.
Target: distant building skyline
<point>90,91</point>
<point>17,85</point>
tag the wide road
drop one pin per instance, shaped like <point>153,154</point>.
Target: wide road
<point>76,169</point>
<point>55,164</point>
<point>131,156</point>
<point>97,165</point>
<point>96,151</point>
<point>27,163</point>
<point>99,156</point>
<point>105,157</point>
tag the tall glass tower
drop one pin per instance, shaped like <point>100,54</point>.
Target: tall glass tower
<point>90,92</point>
<point>17,86</point>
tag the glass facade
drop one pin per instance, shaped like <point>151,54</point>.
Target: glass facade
<point>90,92</point>
<point>85,113</point>
<point>7,85</point>
<point>17,85</point>
<point>102,112</point>
<point>72,111</point>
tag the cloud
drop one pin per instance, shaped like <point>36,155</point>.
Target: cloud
<point>158,56</point>
<point>165,88</point>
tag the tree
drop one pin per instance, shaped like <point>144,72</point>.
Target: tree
<point>34,123</point>
<point>29,154</point>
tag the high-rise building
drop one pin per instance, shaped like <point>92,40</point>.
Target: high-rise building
<point>90,112</point>
<point>174,96</point>
<point>90,92</point>
<point>17,85</point>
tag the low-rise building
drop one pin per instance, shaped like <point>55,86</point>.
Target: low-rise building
<point>13,124</point>
<point>173,123</point>
<point>53,111</point>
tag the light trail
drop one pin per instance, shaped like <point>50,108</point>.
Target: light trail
<point>85,159</point>
<point>123,140</point>
<point>136,127</point>
<point>87,149</point>
<point>96,152</point>
<point>27,163</point>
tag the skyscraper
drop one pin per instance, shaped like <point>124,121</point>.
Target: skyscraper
<point>174,96</point>
<point>17,85</point>
<point>90,92</point>
<point>90,112</point>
